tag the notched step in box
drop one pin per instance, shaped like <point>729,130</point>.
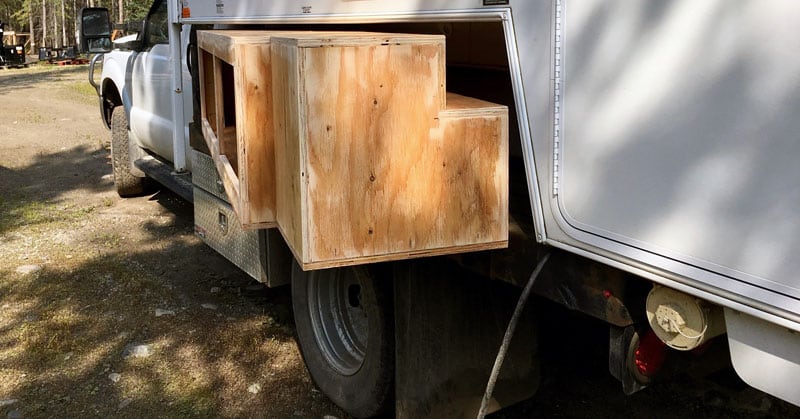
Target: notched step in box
<point>349,143</point>
<point>372,163</point>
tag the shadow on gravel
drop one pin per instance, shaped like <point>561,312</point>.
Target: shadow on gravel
<point>67,332</point>
<point>28,193</point>
<point>68,328</point>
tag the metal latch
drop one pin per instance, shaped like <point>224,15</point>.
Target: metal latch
<point>222,219</point>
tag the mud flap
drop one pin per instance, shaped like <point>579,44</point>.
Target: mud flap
<point>765,355</point>
<point>448,328</point>
<point>620,342</point>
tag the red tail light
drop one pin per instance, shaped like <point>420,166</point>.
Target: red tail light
<point>650,354</point>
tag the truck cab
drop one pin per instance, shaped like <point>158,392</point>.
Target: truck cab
<point>135,75</point>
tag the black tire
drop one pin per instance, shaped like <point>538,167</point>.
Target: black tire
<point>354,366</point>
<point>127,183</point>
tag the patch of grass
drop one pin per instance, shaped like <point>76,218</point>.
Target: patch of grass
<point>78,213</point>
<point>190,399</point>
<point>31,116</point>
<point>109,240</point>
<point>81,91</point>
<point>83,88</point>
<point>23,213</point>
<point>18,211</point>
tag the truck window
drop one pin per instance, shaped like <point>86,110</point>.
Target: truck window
<point>155,31</point>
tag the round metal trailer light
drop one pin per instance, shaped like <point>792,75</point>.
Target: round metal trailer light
<point>681,321</point>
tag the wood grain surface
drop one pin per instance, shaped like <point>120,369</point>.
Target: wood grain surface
<point>385,172</point>
<point>349,143</point>
<point>254,133</point>
<point>249,152</point>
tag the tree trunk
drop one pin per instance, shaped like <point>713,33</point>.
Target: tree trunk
<point>44,24</point>
<point>30,27</point>
<point>75,18</point>
<point>55,28</point>
<point>121,13</point>
<point>63,26</point>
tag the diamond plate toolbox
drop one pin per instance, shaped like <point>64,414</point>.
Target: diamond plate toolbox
<point>205,176</point>
<point>262,254</point>
<point>216,223</point>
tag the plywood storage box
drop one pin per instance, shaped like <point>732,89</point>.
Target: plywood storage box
<point>374,161</point>
<point>236,118</point>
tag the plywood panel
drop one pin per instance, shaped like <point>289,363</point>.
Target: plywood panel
<point>256,158</point>
<point>349,143</point>
<point>226,173</point>
<point>385,172</point>
<point>218,104</point>
<point>362,156</point>
<point>223,43</point>
<point>445,194</point>
<point>241,102</point>
<point>475,150</point>
<point>216,43</point>
<point>207,102</point>
<point>290,177</point>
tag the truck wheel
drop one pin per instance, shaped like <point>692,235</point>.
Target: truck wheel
<point>126,183</point>
<point>345,329</point>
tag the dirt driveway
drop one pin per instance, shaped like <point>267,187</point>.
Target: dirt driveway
<point>112,307</point>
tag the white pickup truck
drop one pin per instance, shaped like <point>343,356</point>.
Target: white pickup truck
<point>649,149</point>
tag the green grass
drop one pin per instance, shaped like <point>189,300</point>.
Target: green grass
<point>82,90</point>
<point>109,240</point>
<point>17,212</point>
<point>32,117</point>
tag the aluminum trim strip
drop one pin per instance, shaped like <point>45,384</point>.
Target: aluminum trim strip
<point>488,14</point>
<point>715,294</point>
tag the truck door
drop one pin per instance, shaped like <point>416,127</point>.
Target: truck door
<point>151,110</point>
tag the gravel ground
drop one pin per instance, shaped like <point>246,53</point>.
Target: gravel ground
<point>112,307</point>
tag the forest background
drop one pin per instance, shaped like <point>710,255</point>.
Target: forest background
<point>54,23</point>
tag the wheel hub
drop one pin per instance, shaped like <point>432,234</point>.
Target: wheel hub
<point>338,318</point>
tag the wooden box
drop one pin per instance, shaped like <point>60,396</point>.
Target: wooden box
<point>236,111</point>
<point>374,161</point>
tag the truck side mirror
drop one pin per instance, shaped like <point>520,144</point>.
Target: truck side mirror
<point>95,30</point>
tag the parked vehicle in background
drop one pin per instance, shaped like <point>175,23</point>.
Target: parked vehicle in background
<point>10,55</point>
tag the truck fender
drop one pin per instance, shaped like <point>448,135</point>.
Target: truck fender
<point>115,91</point>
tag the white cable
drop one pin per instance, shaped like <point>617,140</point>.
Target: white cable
<point>678,328</point>
<point>512,325</point>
